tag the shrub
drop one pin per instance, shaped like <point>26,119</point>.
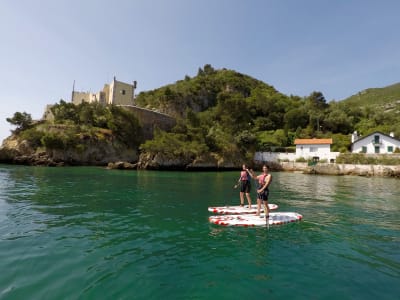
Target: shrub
<point>301,159</point>
<point>363,159</point>
<point>33,137</point>
<point>52,141</point>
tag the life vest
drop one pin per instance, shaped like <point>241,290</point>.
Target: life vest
<point>244,176</point>
<point>261,180</point>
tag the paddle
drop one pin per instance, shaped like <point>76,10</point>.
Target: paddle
<point>230,196</point>
<point>265,214</point>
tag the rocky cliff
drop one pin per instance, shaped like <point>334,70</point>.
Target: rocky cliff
<point>90,152</point>
<point>114,155</point>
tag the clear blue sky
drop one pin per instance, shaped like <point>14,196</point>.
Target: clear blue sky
<point>336,47</point>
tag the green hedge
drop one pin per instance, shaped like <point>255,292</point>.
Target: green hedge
<point>365,159</point>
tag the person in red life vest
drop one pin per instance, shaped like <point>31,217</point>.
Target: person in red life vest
<point>245,185</point>
<point>263,180</point>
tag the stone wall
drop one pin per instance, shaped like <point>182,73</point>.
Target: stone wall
<point>150,119</point>
<point>281,156</point>
<point>343,169</point>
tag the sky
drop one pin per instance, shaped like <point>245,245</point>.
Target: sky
<point>338,48</point>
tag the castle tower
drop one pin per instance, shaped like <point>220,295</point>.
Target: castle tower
<point>117,93</point>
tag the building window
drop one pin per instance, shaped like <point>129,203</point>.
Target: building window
<point>364,149</point>
<point>390,149</point>
<point>376,149</point>
<point>123,92</point>
<point>313,149</point>
<point>376,139</point>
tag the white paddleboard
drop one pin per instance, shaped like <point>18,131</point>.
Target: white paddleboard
<point>239,209</point>
<point>275,218</point>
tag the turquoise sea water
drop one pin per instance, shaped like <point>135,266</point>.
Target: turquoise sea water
<point>91,233</point>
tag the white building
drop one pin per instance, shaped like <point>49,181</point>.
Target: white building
<point>376,142</point>
<point>315,149</point>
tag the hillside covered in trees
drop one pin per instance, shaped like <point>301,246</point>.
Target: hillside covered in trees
<point>228,113</point>
<point>222,115</point>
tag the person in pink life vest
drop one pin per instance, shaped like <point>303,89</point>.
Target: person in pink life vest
<point>263,180</point>
<point>245,185</point>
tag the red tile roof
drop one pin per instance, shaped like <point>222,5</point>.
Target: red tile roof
<point>312,141</point>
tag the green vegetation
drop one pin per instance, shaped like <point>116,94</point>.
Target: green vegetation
<point>228,112</point>
<point>73,124</point>
<point>221,113</point>
<point>174,146</point>
<point>387,97</point>
<point>89,119</point>
<point>357,158</point>
<point>22,120</point>
<point>376,109</point>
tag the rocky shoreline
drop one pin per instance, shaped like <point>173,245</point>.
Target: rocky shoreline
<point>319,169</point>
<point>108,154</point>
<point>113,156</point>
<point>342,169</point>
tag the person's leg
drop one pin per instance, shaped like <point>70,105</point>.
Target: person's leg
<point>266,209</point>
<point>258,206</point>
<point>248,199</point>
<point>241,198</point>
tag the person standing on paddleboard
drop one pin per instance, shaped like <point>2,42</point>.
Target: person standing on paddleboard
<point>263,180</point>
<point>245,185</point>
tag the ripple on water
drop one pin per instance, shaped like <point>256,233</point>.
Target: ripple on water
<point>89,233</point>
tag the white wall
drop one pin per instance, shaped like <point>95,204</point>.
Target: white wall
<point>312,150</point>
<point>274,156</point>
<point>280,156</point>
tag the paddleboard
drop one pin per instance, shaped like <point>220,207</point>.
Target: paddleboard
<point>239,209</point>
<point>275,218</point>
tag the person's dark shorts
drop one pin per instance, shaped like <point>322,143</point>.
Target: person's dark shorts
<point>245,186</point>
<point>264,195</point>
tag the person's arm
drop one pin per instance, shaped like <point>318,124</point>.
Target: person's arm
<point>237,184</point>
<point>251,173</point>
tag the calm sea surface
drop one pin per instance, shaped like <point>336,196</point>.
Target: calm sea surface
<point>91,233</point>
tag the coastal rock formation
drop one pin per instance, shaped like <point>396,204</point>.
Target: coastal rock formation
<point>114,155</point>
<point>121,165</point>
<point>96,153</point>
<point>211,161</point>
<point>108,153</point>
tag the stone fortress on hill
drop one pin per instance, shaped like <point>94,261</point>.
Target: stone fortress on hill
<point>116,93</point>
<point>123,94</point>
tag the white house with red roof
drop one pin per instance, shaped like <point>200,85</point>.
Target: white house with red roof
<point>315,149</point>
